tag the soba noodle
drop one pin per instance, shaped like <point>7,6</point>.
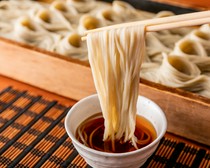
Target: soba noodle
<point>115,57</point>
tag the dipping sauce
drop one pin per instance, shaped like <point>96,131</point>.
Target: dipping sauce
<point>90,133</point>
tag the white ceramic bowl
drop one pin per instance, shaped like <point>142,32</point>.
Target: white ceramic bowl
<point>97,159</point>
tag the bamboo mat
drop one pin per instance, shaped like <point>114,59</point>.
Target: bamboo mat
<point>32,134</point>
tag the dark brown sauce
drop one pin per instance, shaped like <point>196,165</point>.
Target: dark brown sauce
<point>97,125</point>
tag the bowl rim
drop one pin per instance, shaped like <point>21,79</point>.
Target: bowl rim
<point>153,143</point>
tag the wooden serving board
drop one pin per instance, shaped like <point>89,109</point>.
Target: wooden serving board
<point>188,114</point>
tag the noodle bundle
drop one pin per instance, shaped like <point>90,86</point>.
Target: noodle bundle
<point>82,5</point>
<point>51,22</point>
<point>28,31</point>
<point>115,57</point>
<point>188,47</point>
<point>109,17</point>
<point>179,72</point>
<point>202,37</point>
<point>70,45</point>
<point>155,48</point>
<point>129,12</point>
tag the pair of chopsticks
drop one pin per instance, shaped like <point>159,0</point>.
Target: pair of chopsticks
<point>165,23</point>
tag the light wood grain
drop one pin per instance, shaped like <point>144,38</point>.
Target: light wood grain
<point>57,75</point>
<point>187,114</point>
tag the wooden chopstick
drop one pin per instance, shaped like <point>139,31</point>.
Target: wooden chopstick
<point>157,24</point>
<point>186,23</point>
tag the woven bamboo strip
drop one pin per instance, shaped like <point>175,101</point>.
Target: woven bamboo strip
<point>180,156</point>
<point>7,114</point>
<point>189,161</point>
<point>63,151</point>
<point>7,97</point>
<point>25,120</point>
<point>172,146</point>
<point>187,155</point>
<point>44,146</point>
<point>205,163</point>
<point>21,102</point>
